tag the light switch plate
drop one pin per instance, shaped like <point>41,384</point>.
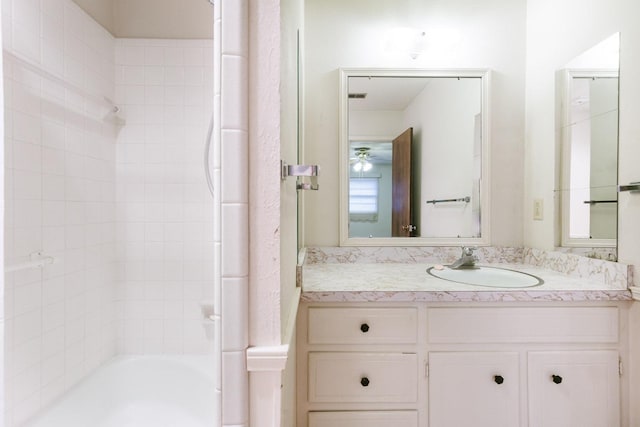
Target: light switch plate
<point>538,209</point>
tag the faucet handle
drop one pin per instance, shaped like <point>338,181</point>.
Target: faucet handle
<point>468,250</point>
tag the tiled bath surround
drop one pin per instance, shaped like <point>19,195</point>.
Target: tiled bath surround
<point>60,198</point>
<point>164,210</point>
<point>123,207</point>
<point>231,171</point>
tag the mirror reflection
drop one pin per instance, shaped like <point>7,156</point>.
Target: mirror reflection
<point>415,147</point>
<point>589,129</point>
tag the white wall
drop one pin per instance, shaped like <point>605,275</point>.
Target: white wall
<point>604,156</point>
<point>291,36</point>
<point>349,34</point>
<point>443,121</point>
<point>580,25</point>
<point>60,198</point>
<point>593,20</point>
<point>164,211</point>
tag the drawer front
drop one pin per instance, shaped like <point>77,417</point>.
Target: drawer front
<point>510,325</point>
<point>362,325</point>
<point>363,378</point>
<point>364,419</point>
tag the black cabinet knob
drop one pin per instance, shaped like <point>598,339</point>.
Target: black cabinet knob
<point>556,379</point>
<point>499,379</point>
<point>364,381</point>
<point>364,328</point>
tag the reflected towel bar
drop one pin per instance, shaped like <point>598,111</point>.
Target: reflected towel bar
<point>597,202</point>
<point>632,186</point>
<point>462,199</point>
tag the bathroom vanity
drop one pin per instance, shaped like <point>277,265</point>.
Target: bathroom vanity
<point>383,344</point>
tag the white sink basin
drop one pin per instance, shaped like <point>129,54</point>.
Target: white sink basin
<point>493,277</point>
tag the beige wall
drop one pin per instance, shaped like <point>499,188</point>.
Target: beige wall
<point>349,34</point>
<point>171,19</point>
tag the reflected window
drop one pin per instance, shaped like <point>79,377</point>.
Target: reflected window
<point>363,199</point>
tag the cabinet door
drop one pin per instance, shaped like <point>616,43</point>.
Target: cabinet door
<point>474,389</point>
<point>574,389</point>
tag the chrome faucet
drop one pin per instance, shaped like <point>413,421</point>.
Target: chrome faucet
<point>467,260</point>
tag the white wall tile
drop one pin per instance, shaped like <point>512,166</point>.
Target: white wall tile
<point>234,260</point>
<point>235,151</point>
<point>155,190</point>
<point>234,114</point>
<point>235,323</point>
<point>235,401</point>
<point>60,160</point>
<point>234,41</point>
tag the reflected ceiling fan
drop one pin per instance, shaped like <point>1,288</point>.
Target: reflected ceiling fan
<point>361,160</point>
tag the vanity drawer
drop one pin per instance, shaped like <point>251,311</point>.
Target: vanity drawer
<point>362,325</point>
<point>364,419</point>
<point>512,325</point>
<point>363,378</point>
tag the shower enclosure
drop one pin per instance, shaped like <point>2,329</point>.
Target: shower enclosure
<point>109,225</point>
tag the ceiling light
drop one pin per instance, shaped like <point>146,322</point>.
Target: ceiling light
<point>411,41</point>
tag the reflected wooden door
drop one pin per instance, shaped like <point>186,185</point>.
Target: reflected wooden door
<point>401,225</point>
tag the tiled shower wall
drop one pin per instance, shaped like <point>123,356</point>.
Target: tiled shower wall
<point>134,248</point>
<point>60,199</point>
<point>164,210</point>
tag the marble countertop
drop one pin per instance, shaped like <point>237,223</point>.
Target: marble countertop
<point>395,282</point>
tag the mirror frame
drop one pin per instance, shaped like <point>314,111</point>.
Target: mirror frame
<point>485,199</point>
<point>567,75</point>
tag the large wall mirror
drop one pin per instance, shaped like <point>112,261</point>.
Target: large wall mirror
<point>588,129</point>
<point>414,157</point>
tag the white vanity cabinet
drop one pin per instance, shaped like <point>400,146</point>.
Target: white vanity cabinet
<point>359,366</point>
<point>461,364</point>
<point>564,389</point>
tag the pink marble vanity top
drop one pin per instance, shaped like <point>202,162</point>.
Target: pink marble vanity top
<point>399,274</point>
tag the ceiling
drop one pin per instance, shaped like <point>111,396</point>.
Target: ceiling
<point>382,94</point>
<point>166,19</point>
<point>388,93</point>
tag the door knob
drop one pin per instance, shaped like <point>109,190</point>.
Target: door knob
<point>499,379</point>
<point>557,379</point>
<point>364,381</point>
<point>364,328</point>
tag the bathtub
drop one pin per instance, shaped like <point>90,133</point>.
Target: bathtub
<point>139,391</point>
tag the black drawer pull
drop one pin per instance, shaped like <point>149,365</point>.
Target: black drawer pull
<point>364,381</point>
<point>364,328</point>
<point>556,379</point>
<point>499,379</point>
